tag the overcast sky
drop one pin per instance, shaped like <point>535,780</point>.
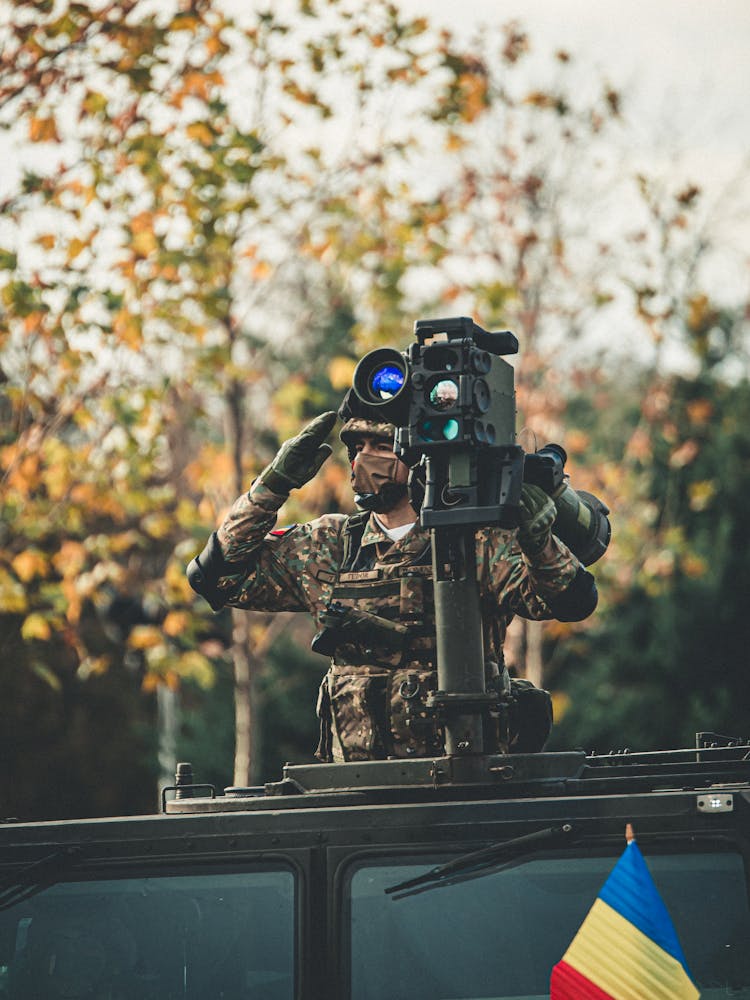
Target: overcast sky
<point>684,64</point>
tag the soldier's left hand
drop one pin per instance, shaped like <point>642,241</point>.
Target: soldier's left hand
<point>537,515</point>
<point>300,458</point>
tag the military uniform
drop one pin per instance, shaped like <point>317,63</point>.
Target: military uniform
<point>372,699</point>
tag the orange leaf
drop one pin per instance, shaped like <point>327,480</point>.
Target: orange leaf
<point>144,637</point>
<point>28,564</point>
<point>150,683</point>
<point>175,623</point>
<point>70,559</point>
<point>43,130</point>
<point>261,270</point>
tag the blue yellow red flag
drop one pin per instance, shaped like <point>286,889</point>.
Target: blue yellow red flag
<point>627,947</point>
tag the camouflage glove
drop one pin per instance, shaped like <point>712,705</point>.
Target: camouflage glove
<point>300,458</point>
<point>537,515</point>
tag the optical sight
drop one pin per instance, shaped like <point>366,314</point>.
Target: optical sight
<point>447,388</point>
<point>452,399</point>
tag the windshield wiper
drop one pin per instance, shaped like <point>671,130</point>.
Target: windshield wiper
<point>476,860</point>
<point>34,877</point>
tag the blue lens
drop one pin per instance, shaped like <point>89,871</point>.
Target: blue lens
<point>386,381</point>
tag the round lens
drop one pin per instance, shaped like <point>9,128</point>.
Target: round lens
<point>439,429</point>
<point>386,381</point>
<point>450,430</point>
<point>444,394</point>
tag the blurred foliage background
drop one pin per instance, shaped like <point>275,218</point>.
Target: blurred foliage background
<point>216,215</point>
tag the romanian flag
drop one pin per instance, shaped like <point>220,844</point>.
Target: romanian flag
<point>627,947</point>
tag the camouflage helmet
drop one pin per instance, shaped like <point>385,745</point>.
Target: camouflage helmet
<point>359,419</point>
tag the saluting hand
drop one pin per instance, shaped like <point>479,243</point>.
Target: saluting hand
<point>299,459</point>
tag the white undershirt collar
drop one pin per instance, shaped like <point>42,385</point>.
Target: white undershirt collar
<point>395,533</point>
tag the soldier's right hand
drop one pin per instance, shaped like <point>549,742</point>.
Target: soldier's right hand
<point>300,458</point>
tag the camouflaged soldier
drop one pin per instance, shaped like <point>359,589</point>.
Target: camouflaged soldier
<point>366,579</point>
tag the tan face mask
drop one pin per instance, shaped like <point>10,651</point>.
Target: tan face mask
<point>379,481</point>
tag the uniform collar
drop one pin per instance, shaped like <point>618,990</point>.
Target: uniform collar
<point>410,545</point>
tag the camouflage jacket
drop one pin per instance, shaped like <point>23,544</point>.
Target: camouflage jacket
<point>368,706</point>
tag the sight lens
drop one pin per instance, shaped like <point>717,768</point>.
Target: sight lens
<point>386,381</point>
<point>450,430</point>
<point>444,394</point>
<point>439,429</point>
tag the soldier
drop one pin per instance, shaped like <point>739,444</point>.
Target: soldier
<point>366,579</point>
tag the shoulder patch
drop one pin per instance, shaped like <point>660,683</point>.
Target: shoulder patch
<point>280,532</point>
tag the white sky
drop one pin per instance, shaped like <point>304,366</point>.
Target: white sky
<point>683,64</point>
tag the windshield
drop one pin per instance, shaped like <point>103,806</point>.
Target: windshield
<point>203,936</point>
<point>498,935</point>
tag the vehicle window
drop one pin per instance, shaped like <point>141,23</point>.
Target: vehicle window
<point>202,936</point>
<point>498,934</point>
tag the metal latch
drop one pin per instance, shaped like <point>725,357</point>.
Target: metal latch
<point>716,802</point>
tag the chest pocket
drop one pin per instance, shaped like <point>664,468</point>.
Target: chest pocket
<point>382,619</point>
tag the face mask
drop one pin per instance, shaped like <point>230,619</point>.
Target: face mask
<point>375,481</point>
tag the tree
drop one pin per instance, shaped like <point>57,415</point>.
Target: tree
<point>664,660</point>
<point>165,220</point>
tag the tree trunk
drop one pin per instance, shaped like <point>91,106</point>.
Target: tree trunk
<point>252,636</point>
<point>534,662</point>
<point>245,715</point>
<point>523,650</point>
<point>167,725</point>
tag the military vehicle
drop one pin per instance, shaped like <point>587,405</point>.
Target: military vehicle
<point>457,877</point>
<point>408,880</point>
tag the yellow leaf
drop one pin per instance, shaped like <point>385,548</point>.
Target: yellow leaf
<point>123,541</point>
<point>454,142</point>
<point>127,328</point>
<point>340,372</point>
<point>560,704</point>
<point>701,494</point>
<point>47,241</point>
<point>144,243</point>
<point>74,248</point>
<point>12,594</point>
<point>145,637</point>
<point>197,667</point>
<point>177,582</point>
<point>184,22</point>
<point>157,525</point>
<point>201,133</point>
<point>28,564</point>
<point>36,626</point>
